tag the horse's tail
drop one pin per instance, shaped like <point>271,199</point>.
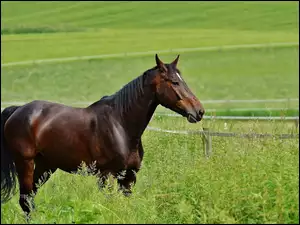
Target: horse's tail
<point>8,170</point>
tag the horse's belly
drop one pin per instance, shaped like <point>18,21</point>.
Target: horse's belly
<point>65,149</point>
<point>65,158</point>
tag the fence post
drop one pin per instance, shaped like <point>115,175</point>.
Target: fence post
<point>207,142</point>
<point>297,123</point>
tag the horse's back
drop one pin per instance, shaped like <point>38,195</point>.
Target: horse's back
<point>47,115</point>
<point>40,116</point>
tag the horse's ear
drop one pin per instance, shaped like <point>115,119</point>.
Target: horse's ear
<point>160,64</point>
<point>175,61</point>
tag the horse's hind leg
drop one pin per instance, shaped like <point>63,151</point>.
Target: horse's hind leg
<point>25,170</point>
<point>42,172</point>
<point>29,173</point>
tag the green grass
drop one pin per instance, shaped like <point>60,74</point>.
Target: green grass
<point>270,112</point>
<point>34,30</point>
<point>212,15</point>
<point>284,112</point>
<point>245,180</point>
<point>271,126</point>
<point>269,73</point>
<point>112,27</point>
<point>22,47</point>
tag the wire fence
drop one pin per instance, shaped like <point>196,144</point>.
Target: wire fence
<point>207,135</point>
<point>244,118</point>
<point>206,131</point>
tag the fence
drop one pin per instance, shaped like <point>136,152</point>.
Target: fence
<point>207,136</point>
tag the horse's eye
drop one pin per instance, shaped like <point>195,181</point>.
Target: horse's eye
<point>175,82</point>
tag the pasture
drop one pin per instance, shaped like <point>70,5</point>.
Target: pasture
<point>245,180</point>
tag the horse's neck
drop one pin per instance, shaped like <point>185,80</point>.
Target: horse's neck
<point>136,119</point>
<point>133,107</point>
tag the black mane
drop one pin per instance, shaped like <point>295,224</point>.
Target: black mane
<point>127,96</point>
<point>124,99</point>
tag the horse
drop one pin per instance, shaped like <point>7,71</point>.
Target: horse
<point>41,136</point>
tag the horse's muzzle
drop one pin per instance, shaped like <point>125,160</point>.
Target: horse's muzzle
<point>195,117</point>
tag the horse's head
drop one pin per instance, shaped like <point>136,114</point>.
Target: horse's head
<point>172,92</point>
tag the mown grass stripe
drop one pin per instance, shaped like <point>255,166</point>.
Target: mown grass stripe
<point>128,54</point>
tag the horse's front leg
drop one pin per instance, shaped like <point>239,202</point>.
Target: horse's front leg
<point>134,161</point>
<point>101,181</point>
<point>126,180</point>
<point>102,178</point>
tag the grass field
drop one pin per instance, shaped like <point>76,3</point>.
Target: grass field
<point>245,180</point>
<point>236,74</point>
<point>104,27</point>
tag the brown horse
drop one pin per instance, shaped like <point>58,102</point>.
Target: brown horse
<point>41,136</point>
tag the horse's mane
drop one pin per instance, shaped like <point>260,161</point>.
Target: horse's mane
<point>126,97</point>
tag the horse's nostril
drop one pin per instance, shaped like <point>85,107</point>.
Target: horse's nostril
<point>201,112</point>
